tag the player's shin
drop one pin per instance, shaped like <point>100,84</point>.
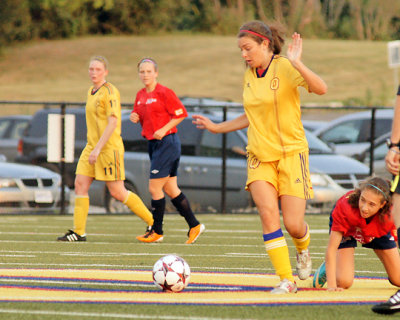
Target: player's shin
<point>81,211</point>
<point>136,205</point>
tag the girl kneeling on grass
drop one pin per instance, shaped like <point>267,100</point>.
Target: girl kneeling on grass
<point>362,215</point>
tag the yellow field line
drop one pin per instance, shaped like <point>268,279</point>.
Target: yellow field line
<point>363,290</point>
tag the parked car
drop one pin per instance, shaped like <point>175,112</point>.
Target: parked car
<point>380,151</point>
<point>11,129</point>
<point>350,134</point>
<point>33,150</point>
<point>28,188</point>
<point>312,125</point>
<point>200,168</point>
<point>200,165</point>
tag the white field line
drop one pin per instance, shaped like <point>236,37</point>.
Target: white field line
<point>122,266</point>
<point>119,254</point>
<point>70,314</point>
<point>228,231</point>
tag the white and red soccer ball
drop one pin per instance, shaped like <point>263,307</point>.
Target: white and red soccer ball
<point>171,273</point>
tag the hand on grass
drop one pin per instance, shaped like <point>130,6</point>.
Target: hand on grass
<point>334,289</point>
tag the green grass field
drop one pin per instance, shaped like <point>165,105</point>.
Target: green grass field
<point>231,243</point>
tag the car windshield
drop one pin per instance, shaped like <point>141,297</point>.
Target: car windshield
<point>316,145</point>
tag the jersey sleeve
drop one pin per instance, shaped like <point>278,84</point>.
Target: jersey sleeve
<point>339,221</point>
<point>112,102</point>
<point>174,106</point>
<point>298,79</point>
<point>135,104</point>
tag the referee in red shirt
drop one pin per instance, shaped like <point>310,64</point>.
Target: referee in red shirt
<point>159,111</point>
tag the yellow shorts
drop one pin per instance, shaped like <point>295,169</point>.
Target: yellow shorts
<point>289,175</point>
<point>108,167</point>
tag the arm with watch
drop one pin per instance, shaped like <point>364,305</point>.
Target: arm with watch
<point>392,158</point>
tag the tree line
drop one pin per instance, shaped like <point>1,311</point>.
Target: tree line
<point>22,20</point>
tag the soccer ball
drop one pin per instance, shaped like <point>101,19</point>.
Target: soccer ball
<point>171,273</point>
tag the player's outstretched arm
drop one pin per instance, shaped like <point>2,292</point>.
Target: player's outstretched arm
<point>238,123</point>
<point>330,259</point>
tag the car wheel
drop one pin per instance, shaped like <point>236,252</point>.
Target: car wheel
<point>112,205</point>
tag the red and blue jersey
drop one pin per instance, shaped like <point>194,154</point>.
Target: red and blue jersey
<point>347,220</point>
<point>157,108</point>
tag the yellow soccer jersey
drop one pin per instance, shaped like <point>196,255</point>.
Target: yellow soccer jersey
<point>100,105</point>
<point>272,106</point>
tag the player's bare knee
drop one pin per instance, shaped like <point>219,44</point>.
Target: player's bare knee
<point>395,281</point>
<point>344,283</point>
<point>116,193</point>
<point>296,230</point>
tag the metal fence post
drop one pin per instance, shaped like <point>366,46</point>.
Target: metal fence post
<point>62,164</point>
<point>223,173</point>
<point>372,142</point>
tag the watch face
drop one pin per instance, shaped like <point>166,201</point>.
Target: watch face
<point>390,144</point>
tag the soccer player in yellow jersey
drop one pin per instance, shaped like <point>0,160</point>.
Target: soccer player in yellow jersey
<point>277,151</point>
<point>103,157</point>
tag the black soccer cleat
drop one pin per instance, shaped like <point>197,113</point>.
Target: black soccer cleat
<point>71,236</point>
<point>390,306</point>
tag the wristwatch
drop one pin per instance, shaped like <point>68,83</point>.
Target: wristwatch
<point>391,144</point>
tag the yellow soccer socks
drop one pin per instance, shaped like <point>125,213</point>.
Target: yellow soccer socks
<point>278,252</point>
<point>81,211</point>
<point>303,242</point>
<point>136,205</point>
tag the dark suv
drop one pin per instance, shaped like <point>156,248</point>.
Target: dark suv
<point>33,144</point>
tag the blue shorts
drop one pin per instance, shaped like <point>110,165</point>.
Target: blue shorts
<point>164,156</point>
<point>383,243</point>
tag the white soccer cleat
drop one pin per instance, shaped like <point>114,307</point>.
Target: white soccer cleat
<point>303,265</point>
<point>285,286</point>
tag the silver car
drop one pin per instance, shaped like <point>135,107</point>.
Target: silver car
<point>380,151</point>
<point>350,134</point>
<point>11,129</point>
<point>28,188</point>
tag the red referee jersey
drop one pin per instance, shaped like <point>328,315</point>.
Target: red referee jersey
<point>157,108</point>
<point>348,220</point>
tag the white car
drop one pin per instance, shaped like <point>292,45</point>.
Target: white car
<point>29,188</point>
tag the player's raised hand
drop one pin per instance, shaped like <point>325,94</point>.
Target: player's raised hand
<point>295,49</point>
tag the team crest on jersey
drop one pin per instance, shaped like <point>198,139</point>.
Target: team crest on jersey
<point>253,162</point>
<point>274,83</point>
<point>151,100</point>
